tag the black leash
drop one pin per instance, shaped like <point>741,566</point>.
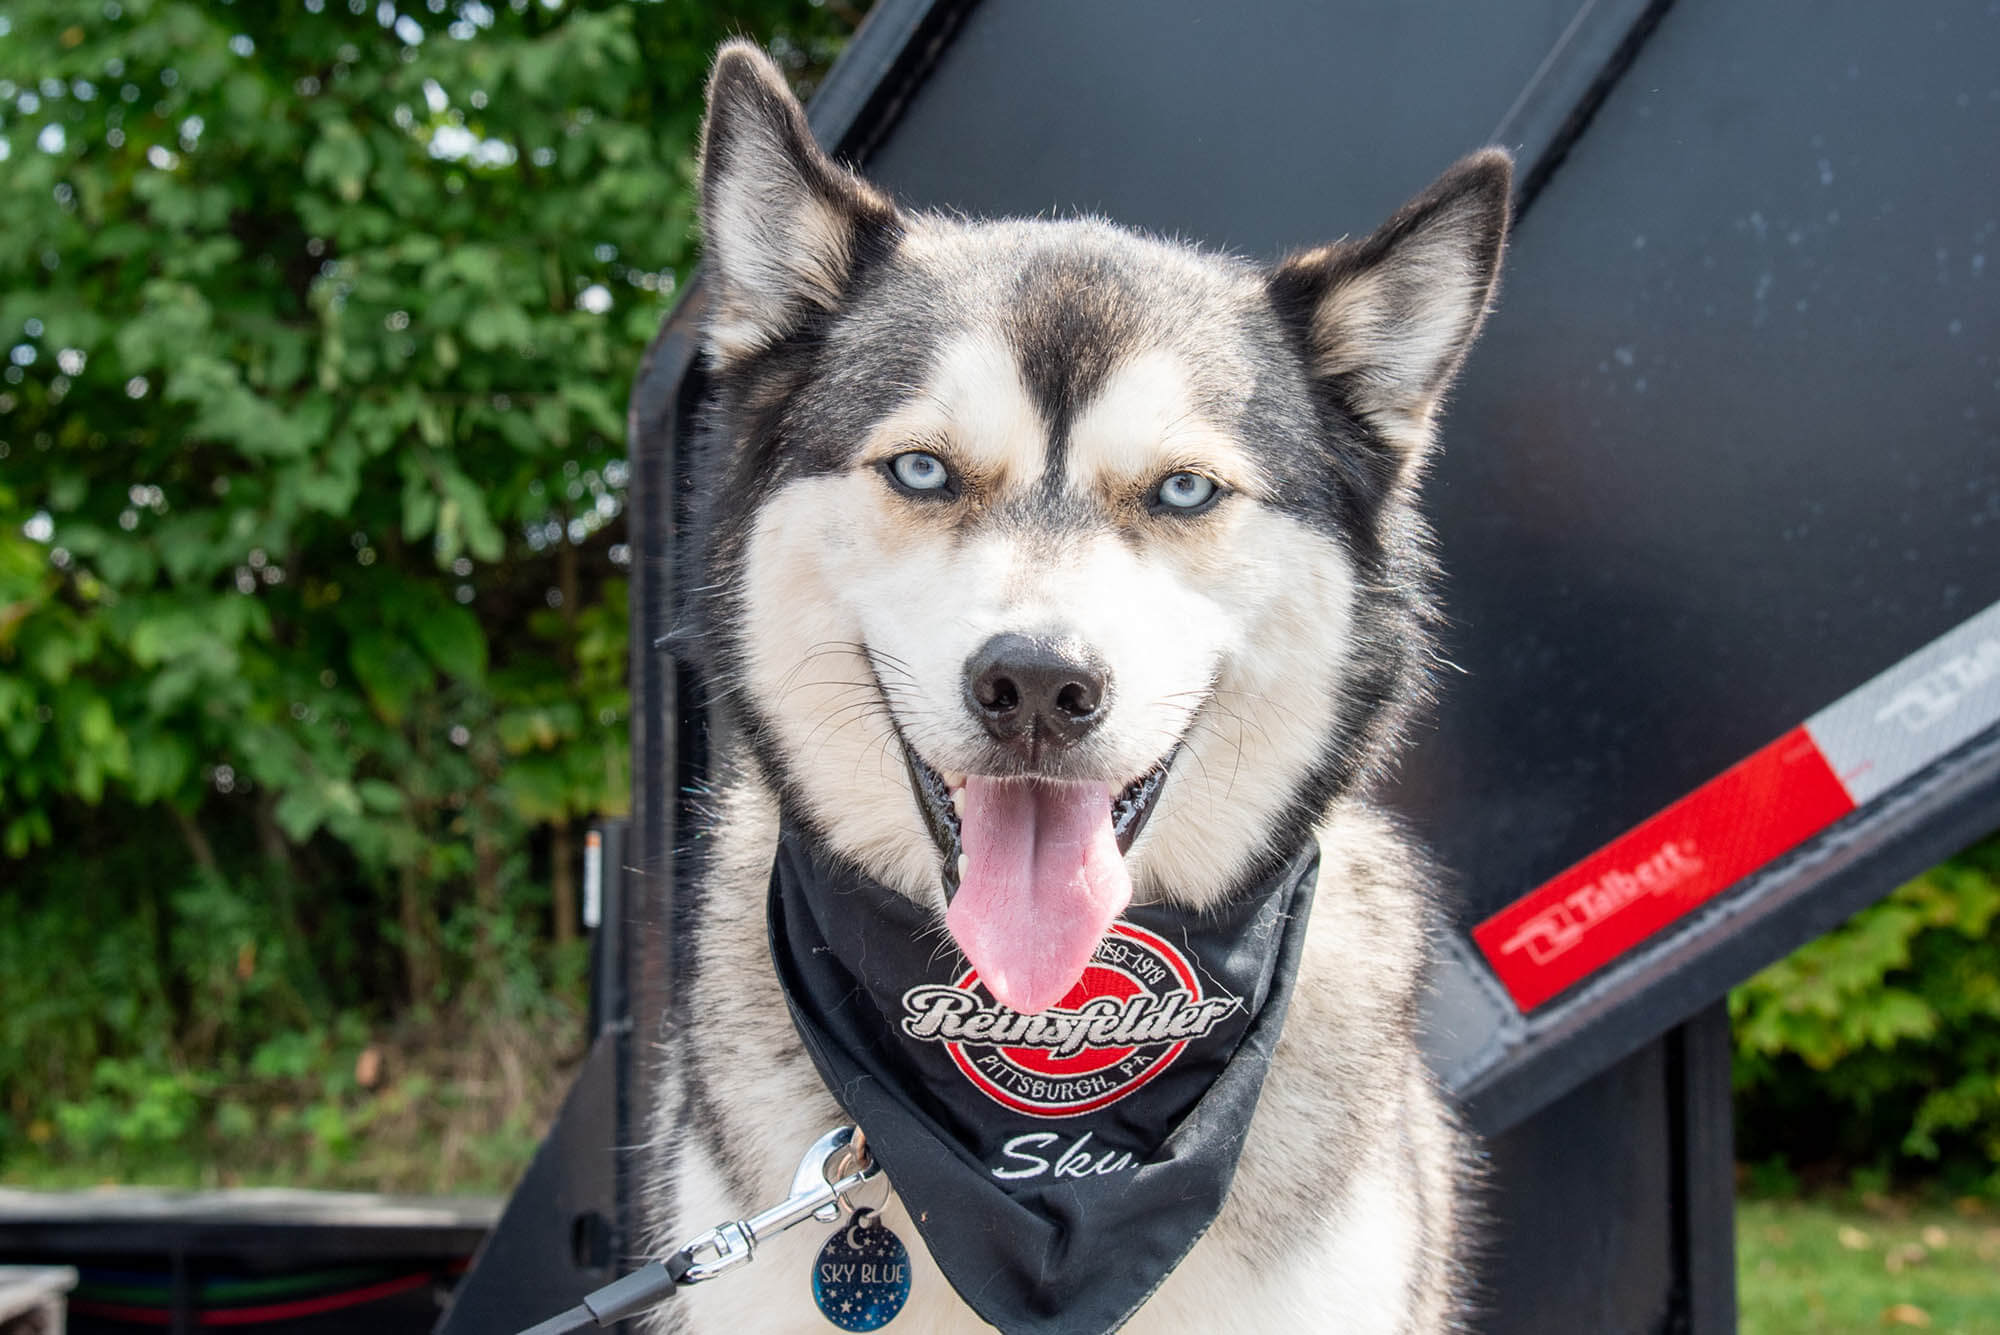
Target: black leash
<point>643,1288</point>
<point>837,1163</point>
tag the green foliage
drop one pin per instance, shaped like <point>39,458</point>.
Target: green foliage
<point>1878,1045</point>
<point>318,322</point>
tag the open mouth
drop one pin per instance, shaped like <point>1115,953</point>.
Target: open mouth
<point>943,798</point>
<point>1034,871</point>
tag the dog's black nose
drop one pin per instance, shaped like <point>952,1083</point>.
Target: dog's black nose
<point>1034,693</point>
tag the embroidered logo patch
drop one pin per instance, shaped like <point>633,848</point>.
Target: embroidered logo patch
<point>1137,1006</point>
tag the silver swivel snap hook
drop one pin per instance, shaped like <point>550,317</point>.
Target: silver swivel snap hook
<point>837,1163</point>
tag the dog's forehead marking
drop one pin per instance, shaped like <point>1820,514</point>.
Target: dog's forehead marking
<point>1149,417</point>
<point>1066,381</point>
<point>974,401</point>
<point>1071,317</point>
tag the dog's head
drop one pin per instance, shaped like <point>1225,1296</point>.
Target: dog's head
<point>1046,560</point>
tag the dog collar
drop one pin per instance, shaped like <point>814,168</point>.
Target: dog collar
<point>1060,1165</point>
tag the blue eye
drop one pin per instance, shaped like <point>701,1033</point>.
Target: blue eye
<point>917,471</point>
<point>1186,492</point>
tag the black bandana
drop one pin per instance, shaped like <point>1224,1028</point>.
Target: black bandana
<point>1058,1165</point>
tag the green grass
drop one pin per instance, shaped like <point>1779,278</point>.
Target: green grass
<point>1820,1267</point>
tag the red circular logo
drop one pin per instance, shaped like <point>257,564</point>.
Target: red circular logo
<point>1136,1008</point>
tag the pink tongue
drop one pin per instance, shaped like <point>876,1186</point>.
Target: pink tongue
<point>1043,882</point>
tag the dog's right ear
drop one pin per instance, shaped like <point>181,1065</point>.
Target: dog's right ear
<point>781,224</point>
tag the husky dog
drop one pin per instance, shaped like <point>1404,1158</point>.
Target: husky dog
<point>1049,550</point>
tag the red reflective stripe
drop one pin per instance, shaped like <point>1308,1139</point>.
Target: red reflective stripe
<point>266,1313</point>
<point>1662,869</point>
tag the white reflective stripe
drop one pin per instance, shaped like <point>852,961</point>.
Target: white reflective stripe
<point>1882,732</point>
<point>593,879</point>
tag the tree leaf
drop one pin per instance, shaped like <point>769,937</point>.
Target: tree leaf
<point>451,637</point>
<point>389,671</point>
<point>379,795</point>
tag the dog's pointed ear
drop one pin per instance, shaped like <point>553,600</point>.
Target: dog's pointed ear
<point>781,224</point>
<point>1386,321</point>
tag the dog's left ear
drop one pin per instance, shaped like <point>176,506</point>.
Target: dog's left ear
<point>782,225</point>
<point>1386,321</point>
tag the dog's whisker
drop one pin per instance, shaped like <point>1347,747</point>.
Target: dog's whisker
<point>1262,699</point>
<point>844,717</point>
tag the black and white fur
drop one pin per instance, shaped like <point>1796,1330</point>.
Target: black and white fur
<point>1278,640</point>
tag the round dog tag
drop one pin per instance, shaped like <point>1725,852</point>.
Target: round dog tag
<point>862,1277</point>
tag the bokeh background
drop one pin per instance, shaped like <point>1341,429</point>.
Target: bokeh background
<point>317,319</point>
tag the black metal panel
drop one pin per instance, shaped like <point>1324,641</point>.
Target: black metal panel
<point>1731,443</point>
<point>1704,1170</point>
<point>73,1237</point>
<point>172,1243</point>
<point>1257,129</point>
<point>1612,1211</point>
<point>892,55</point>
<point>1729,448</point>
<point>557,1240</point>
<point>658,717</point>
<point>1580,1202</point>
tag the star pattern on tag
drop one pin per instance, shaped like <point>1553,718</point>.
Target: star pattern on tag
<point>861,1278</point>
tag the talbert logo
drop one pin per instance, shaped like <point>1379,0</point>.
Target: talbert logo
<point>1560,926</point>
<point>1136,1008</point>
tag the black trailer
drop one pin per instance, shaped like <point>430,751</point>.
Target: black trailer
<point>309,1262</point>
<point>1719,504</point>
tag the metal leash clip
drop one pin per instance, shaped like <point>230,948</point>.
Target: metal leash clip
<point>837,1163</point>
